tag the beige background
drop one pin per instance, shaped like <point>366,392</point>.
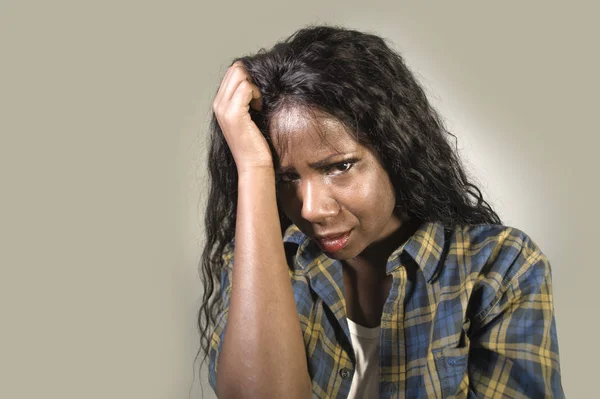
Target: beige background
<point>104,107</point>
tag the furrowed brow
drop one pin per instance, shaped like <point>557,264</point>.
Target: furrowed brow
<point>321,164</point>
<point>327,160</point>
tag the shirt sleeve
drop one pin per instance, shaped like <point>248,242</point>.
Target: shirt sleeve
<point>221,320</point>
<point>514,348</point>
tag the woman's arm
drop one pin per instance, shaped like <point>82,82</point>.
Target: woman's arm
<point>263,354</point>
<point>514,348</point>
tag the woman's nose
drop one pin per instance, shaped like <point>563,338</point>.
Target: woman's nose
<point>317,203</point>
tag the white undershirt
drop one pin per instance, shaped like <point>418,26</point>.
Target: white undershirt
<point>365,383</point>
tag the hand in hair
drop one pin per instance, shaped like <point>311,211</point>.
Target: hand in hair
<point>231,106</point>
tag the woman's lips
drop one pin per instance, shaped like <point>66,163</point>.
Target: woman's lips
<point>333,244</point>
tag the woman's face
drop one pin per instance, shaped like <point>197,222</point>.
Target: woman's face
<point>332,188</point>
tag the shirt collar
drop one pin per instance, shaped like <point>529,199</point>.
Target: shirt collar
<point>425,247</point>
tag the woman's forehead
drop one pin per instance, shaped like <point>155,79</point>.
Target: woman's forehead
<point>299,128</point>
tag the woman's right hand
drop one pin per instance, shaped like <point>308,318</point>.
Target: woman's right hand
<point>231,106</point>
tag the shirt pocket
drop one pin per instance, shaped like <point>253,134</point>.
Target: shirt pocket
<point>451,366</point>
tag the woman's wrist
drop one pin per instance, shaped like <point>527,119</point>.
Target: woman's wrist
<point>256,172</point>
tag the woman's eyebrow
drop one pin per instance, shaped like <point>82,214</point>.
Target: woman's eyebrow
<point>328,160</point>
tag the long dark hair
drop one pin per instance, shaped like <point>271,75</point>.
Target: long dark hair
<point>358,79</point>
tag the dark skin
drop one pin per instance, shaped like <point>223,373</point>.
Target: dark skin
<point>366,286</point>
<point>324,195</point>
<point>252,354</point>
<point>330,183</point>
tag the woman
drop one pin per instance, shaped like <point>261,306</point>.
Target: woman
<point>366,263</point>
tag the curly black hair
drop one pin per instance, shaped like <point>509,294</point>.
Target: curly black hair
<point>358,79</point>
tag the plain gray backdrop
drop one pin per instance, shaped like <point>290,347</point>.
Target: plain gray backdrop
<point>104,110</point>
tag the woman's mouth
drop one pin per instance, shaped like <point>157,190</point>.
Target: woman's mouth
<point>333,243</point>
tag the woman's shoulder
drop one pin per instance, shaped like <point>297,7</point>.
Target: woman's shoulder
<point>497,258</point>
<point>494,244</point>
<point>479,232</point>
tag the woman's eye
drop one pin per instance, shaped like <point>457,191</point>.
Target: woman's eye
<point>341,167</point>
<point>288,177</point>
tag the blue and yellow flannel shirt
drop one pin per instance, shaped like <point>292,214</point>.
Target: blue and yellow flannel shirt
<point>469,315</point>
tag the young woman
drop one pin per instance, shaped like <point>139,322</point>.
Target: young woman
<point>351,255</point>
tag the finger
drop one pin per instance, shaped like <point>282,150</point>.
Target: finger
<point>229,71</point>
<point>256,102</point>
<point>245,93</point>
<point>226,81</point>
<point>238,75</point>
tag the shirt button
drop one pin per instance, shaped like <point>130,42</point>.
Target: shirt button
<point>345,373</point>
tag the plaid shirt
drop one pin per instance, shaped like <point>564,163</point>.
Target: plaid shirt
<point>469,314</point>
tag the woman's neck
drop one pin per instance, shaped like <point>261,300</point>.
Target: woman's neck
<point>374,258</point>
